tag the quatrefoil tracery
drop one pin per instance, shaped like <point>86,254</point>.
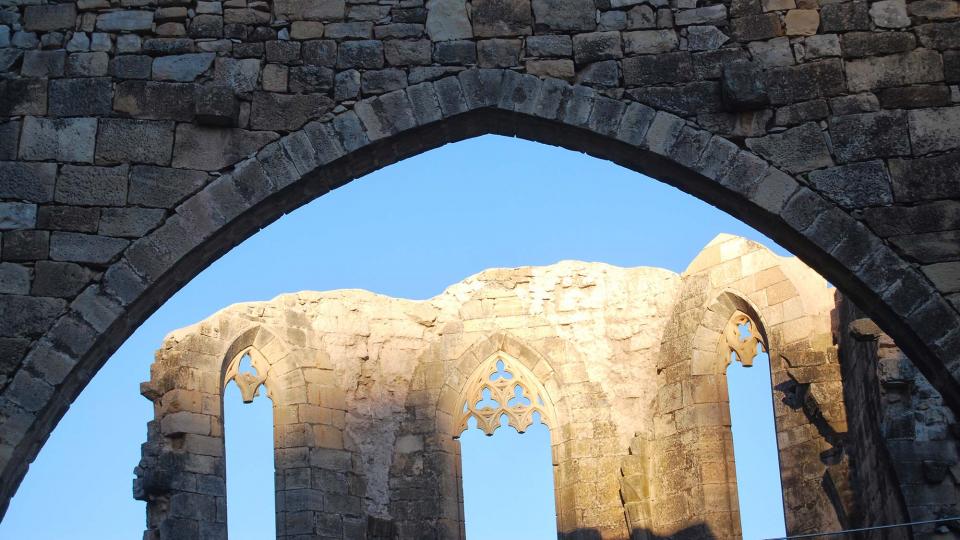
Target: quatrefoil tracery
<point>501,387</point>
<point>248,382</point>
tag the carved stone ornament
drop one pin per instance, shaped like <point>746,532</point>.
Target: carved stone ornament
<point>248,383</point>
<point>502,385</point>
<point>740,337</point>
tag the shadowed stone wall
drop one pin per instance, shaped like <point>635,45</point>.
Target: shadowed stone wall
<point>626,366</point>
<point>141,139</point>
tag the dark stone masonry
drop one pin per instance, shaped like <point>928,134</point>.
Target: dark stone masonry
<point>141,139</point>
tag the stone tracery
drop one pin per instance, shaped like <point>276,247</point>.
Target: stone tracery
<point>502,386</point>
<point>740,337</point>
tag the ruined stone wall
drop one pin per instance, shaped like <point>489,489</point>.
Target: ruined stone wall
<point>370,394</point>
<point>140,139</point>
<point>903,440</point>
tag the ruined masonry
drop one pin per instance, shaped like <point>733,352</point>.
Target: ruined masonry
<point>626,366</point>
<point>141,139</point>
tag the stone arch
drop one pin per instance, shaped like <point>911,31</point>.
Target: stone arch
<point>324,154</point>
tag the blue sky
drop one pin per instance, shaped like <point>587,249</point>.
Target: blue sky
<point>408,230</point>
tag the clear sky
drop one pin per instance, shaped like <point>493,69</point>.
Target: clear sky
<point>408,230</point>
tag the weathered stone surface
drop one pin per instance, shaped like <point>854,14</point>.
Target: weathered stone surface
<point>854,186</point>
<point>209,149</point>
<point>920,66</point>
<point>549,46</point>
<point>407,53</point>
<point>926,178</point>
<point>743,87</point>
<point>501,18</point>
<point>216,105</point>
<point>934,130</point>
<point>45,18</point>
<point>59,279</point>
<point>663,68</point>
<point>650,41</point>
<point>499,53</point>
<point>366,54</point>
<point>68,218</point>
<point>890,14</point>
<point>295,10</point>
<point>286,112</point>
<point>43,63</point>
<point>84,248</point>
<point>565,15</point>
<point>15,215</point>
<point>28,316</point>
<point>447,20</point>
<point>804,82</point>
<point>27,181</point>
<point>845,17</point>
<point>128,20</point>
<point>704,38</point>
<point>754,27</point>
<point>939,35</point>
<point>775,52</point>
<point>60,139</point>
<point>685,100</point>
<point>861,44</point>
<point>92,186</point>
<point>797,150</point>
<point>155,100</point>
<point>162,187</point>
<point>455,52</point>
<point>134,141</point>
<point>81,97</point>
<point>870,135</point>
<point>182,67</point>
<point>131,66</point>
<point>129,222</point>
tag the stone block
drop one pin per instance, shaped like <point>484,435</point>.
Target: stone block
<point>90,64</point>
<point>802,22</point>
<point>156,100</point>
<point>211,149</point>
<point>643,16</point>
<point>703,38</point>
<point>774,52</point>
<point>182,67</point>
<point>59,279</point>
<point>604,74</point>
<point>349,30</point>
<point>10,59</point>
<point>795,150</point>
<point>945,275</point>
<point>127,20</point>
<point>26,245</point>
<point>386,115</point>
<point>9,139</point>
<point>934,130</point>
<point>320,52</point>
<point>17,215</point>
<point>861,44</point>
<point>447,20</point>
<point>549,46</point>
<point>85,248</point>
<point>346,85</point>
<point>890,14</point>
<point>302,30</point>
<point>92,186</point>
<point>129,222</point>
<point>754,27</point>
<point>407,53</point>
<point>501,18</point>
<point>206,26</point>
<point>286,112</point>
<point>284,52</point>
<point>865,136</point>
<point>185,422</point>
<point>455,53</point>
<point>713,15</point>
<point>499,53</point>
<point>45,18</point>
<point>845,17</point>
<point>800,113</point>
<point>398,31</point>
<point>43,64</point>
<point>596,46</point>
<point>134,141</point>
<point>821,46</point>
<point>215,105</point>
<point>742,86</point>
<point>59,139</point>
<point>558,16</point>
<point>68,218</point>
<point>27,181</point>
<point>304,10</point>
<point>310,79</point>
<point>240,75</point>
<point>364,54</point>
<point>934,9</point>
<point>557,68</point>
<point>274,78</point>
<point>162,187</point>
<point>81,97</point>
<point>790,84</point>
<point>23,97</point>
<point>927,178</point>
<point>940,36</point>
<point>663,68</point>
<point>380,81</point>
<point>131,66</point>
<point>857,185</point>
<point>650,41</point>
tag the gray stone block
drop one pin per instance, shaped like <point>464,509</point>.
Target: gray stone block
<point>919,66</point>
<point>844,17</point>
<point>156,100</point>
<point>756,27</point>
<point>365,54</point>
<point>131,66</point>
<point>565,15</point>
<point>134,141</point>
<point>934,130</point>
<point>796,150</point>
<point>60,139</point>
<point>126,20</point>
<point>650,41</point>
<point>182,67</point>
<point>927,178</point>
<point>163,187</point>
<point>455,53</point>
<point>9,139</point>
<point>549,46</point>
<point>596,46</point>
<point>216,105</point>
<point>447,20</point>
<point>499,53</point>
<point>662,68</point>
<point>26,245</point>
<point>68,218</point>
<point>211,149</point>
<point>859,137</point>
<point>241,75</point>
<point>129,222</point>
<point>284,112</point>
<point>812,80</point>
<point>45,18</point>
<point>81,97</point>
<point>347,85</point>
<point>407,53</point>
<point>380,81</point>
<point>59,279</point>
<point>501,18</point>
<point>23,97</point>
<point>27,181</point>
<point>85,248</point>
<point>14,279</point>
<point>320,52</point>
<point>685,99</point>
<point>386,115</point>
<point>857,185</point>
<point>88,64</point>
<point>43,64</point>
<point>310,79</point>
<point>16,215</point>
<point>92,186</point>
<point>604,74</point>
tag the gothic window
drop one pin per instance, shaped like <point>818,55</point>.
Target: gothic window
<point>502,388</point>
